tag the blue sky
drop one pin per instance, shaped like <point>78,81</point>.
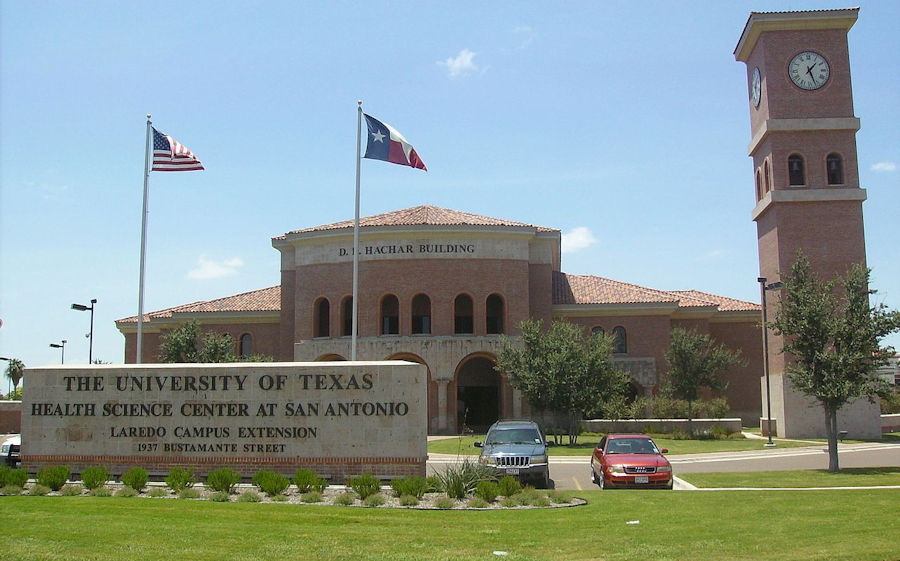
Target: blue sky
<point>623,124</point>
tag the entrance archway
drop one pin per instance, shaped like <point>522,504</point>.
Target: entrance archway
<point>477,395</point>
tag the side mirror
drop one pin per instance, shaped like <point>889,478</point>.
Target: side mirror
<point>549,443</point>
<point>664,451</point>
<point>478,444</point>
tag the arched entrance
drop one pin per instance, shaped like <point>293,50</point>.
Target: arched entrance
<point>477,394</point>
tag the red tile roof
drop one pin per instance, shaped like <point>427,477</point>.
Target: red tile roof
<point>264,300</point>
<point>424,215</point>
<point>724,303</point>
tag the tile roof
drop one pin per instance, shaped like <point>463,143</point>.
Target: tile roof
<point>724,303</point>
<point>423,215</point>
<point>264,300</point>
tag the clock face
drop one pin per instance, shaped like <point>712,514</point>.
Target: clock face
<point>809,70</point>
<point>755,87</point>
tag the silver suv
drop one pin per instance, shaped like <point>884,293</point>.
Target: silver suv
<point>516,448</point>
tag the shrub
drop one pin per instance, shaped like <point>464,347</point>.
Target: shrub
<point>444,503</point>
<point>94,477</point>
<point>559,497</point>
<point>487,491</point>
<point>4,473</point>
<point>39,490</point>
<point>509,486</point>
<point>890,404</point>
<point>101,492</point>
<point>136,478</point>
<point>72,490</point>
<point>458,480</point>
<point>271,483</point>
<point>127,492</point>
<point>157,492</point>
<point>220,497</point>
<point>53,477</point>
<point>413,485</point>
<point>408,500</point>
<point>223,480</point>
<point>249,497</point>
<point>509,502</point>
<point>432,484</point>
<point>17,477</point>
<point>307,480</point>
<point>311,497</point>
<point>345,499</point>
<point>477,502</point>
<point>189,493</point>
<point>180,478</point>
<point>543,500</point>
<point>365,485</point>
<point>10,490</point>
<point>374,500</point>
<point>279,498</point>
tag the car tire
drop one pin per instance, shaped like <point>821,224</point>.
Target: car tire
<point>601,483</point>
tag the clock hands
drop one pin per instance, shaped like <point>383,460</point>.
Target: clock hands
<point>809,71</point>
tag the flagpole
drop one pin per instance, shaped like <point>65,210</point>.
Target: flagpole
<point>140,329</point>
<point>355,297</point>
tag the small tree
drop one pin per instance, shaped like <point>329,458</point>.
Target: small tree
<point>561,369</point>
<point>183,344</point>
<point>15,370</point>
<point>695,361</point>
<point>832,335</point>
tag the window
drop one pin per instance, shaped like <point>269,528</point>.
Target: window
<point>347,316</point>
<point>390,315</point>
<point>421,315</point>
<point>322,318</point>
<point>246,346</point>
<point>494,315</point>
<point>834,165</point>
<point>463,322</point>
<point>620,340</point>
<point>768,178</point>
<point>759,187</point>
<point>796,173</point>
<point>597,330</point>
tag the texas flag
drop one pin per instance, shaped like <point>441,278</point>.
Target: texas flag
<point>385,143</point>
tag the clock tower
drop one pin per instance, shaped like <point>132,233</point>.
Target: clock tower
<point>805,172</point>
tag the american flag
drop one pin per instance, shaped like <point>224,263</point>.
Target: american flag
<point>171,155</point>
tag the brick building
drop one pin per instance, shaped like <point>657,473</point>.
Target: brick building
<point>439,287</point>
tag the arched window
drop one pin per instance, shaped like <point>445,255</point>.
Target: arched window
<point>246,346</point>
<point>597,330</point>
<point>834,165</point>
<point>463,320</point>
<point>796,171</point>
<point>768,178</point>
<point>620,340</point>
<point>390,315</point>
<point>494,315</point>
<point>322,318</point>
<point>347,316</point>
<point>759,186</point>
<point>421,315</point>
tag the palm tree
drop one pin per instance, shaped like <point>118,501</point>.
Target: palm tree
<point>15,370</point>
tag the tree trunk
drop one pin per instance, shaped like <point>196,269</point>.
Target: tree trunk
<point>831,433</point>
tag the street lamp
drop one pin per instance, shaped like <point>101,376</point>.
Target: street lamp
<point>763,287</point>
<point>83,308</point>
<point>62,346</point>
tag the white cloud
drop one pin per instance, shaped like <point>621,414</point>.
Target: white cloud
<point>461,65</point>
<point>577,239</point>
<point>884,166</point>
<point>208,269</point>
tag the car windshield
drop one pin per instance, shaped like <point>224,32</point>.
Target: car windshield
<point>631,446</point>
<point>513,436</point>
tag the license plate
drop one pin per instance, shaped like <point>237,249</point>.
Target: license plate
<point>513,471</point>
<point>641,479</point>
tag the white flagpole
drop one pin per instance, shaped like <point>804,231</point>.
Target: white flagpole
<point>140,329</point>
<point>355,297</point>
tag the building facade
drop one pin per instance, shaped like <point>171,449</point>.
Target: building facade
<point>441,287</point>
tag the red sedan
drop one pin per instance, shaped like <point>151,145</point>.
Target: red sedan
<point>632,461</point>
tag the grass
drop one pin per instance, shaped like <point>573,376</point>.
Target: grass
<point>847,477</point>
<point>810,525</point>
<point>464,445</point>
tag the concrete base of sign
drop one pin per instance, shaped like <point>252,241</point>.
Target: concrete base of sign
<point>337,418</point>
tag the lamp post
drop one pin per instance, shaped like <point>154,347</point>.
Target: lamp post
<point>83,308</point>
<point>62,347</point>
<point>763,288</point>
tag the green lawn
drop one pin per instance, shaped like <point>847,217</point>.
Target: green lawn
<point>847,477</point>
<point>803,525</point>
<point>464,445</point>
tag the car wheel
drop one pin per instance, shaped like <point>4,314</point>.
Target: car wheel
<point>601,483</point>
<point>670,485</point>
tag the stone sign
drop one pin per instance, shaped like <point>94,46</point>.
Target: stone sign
<point>338,418</point>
